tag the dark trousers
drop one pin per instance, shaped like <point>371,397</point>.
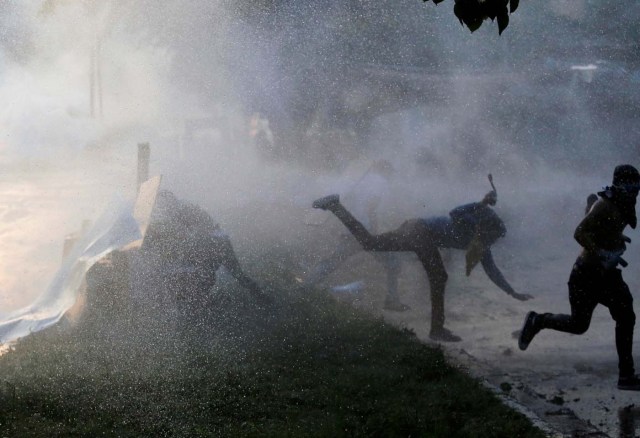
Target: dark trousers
<point>413,235</point>
<point>589,286</point>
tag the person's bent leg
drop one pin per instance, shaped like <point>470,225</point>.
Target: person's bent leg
<point>402,239</point>
<point>392,266</point>
<point>584,286</point>
<point>583,302</point>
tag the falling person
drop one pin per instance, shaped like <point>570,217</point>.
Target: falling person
<point>595,277</point>
<point>472,227</point>
<point>186,248</point>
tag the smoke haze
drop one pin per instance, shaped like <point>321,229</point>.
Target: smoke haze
<point>548,108</point>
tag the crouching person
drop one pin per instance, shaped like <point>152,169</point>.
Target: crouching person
<point>185,248</point>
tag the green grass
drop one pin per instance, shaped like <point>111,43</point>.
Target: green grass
<point>305,367</point>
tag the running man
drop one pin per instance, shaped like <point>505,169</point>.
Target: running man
<point>595,277</point>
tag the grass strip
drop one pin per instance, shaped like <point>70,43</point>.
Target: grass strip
<point>306,366</point>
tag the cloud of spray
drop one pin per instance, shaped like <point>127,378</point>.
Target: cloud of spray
<point>187,75</point>
<point>47,79</point>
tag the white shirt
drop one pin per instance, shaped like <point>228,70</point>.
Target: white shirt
<point>370,191</point>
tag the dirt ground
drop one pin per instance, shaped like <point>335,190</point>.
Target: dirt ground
<point>567,382</point>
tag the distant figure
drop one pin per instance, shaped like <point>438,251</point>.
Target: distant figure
<point>473,227</point>
<point>186,247</point>
<point>595,278</point>
<point>367,197</point>
<point>261,134</point>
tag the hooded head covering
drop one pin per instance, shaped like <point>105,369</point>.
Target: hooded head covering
<point>624,191</point>
<point>625,175</point>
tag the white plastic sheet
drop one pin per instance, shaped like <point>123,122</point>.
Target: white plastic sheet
<point>115,228</point>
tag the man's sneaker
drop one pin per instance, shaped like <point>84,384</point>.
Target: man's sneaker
<point>395,305</point>
<point>630,383</point>
<point>326,202</point>
<point>444,335</point>
<point>529,330</point>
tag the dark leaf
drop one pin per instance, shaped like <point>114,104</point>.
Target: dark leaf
<point>514,5</point>
<point>503,21</point>
<point>491,9</point>
<point>474,24</point>
<point>458,11</point>
<point>492,15</point>
<point>468,9</point>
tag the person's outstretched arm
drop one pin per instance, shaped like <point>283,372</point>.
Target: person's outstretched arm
<point>498,279</point>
